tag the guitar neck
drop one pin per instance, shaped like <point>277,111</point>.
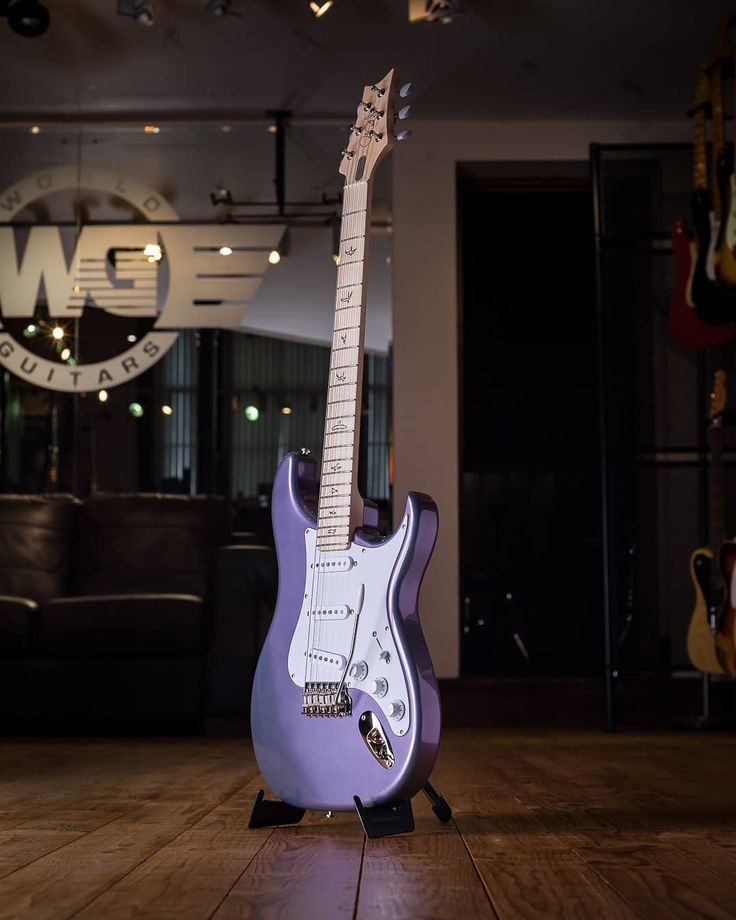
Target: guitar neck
<point>340,508</point>
<point>719,132</point>
<point>717,535</point>
<point>700,165</point>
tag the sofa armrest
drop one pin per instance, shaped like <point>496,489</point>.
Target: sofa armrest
<point>244,595</point>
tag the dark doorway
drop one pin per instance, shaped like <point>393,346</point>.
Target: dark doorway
<point>530,487</point>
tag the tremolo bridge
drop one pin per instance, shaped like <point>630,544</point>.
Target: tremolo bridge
<point>326,699</point>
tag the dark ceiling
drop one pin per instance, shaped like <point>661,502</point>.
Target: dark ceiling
<point>631,59</point>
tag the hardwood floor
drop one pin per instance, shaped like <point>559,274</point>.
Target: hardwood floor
<point>546,826</point>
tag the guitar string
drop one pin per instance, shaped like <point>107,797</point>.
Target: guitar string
<point>318,632</point>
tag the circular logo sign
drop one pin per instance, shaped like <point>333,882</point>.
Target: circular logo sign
<point>125,285</point>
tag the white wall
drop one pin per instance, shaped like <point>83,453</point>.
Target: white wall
<point>425,317</point>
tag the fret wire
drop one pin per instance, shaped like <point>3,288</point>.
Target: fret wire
<point>342,409</point>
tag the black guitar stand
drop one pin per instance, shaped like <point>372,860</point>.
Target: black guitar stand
<point>377,820</point>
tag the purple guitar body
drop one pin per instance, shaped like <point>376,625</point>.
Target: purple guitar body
<point>345,620</point>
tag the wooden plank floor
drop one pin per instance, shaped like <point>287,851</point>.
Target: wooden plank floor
<point>545,826</point>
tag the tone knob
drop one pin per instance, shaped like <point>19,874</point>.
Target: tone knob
<point>380,686</point>
<point>397,709</point>
<point>359,670</point>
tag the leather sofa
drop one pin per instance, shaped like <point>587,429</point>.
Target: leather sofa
<point>127,614</point>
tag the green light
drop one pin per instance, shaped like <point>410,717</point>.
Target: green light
<point>135,409</point>
<point>31,330</point>
<point>251,413</point>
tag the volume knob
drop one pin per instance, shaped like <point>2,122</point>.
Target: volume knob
<point>359,670</point>
<point>380,686</point>
<point>396,710</point>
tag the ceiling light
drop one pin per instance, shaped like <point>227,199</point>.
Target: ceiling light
<point>140,11</point>
<point>102,396</point>
<point>143,13</point>
<point>319,9</point>
<point>152,129</point>
<point>441,11</point>
<point>30,330</point>
<point>272,128</point>
<point>28,18</point>
<point>225,251</point>
<point>135,409</point>
<point>132,338</point>
<point>66,353</point>
<point>286,409</point>
<point>167,410</point>
<point>221,195</point>
<point>58,333</point>
<point>274,257</point>
<point>35,130</point>
<point>252,413</point>
<point>153,252</point>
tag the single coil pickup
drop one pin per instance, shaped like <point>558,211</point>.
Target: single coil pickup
<point>331,613</point>
<point>326,699</point>
<point>335,564</point>
<point>324,657</point>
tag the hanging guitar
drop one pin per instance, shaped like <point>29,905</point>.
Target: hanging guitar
<point>345,709</point>
<point>706,576</point>
<point>685,323</point>
<point>715,303</point>
<point>725,178</point>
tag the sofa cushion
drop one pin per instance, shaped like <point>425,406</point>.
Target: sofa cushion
<point>147,544</point>
<point>16,625</point>
<point>35,537</point>
<point>123,626</point>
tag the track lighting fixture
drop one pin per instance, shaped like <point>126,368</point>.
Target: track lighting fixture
<point>442,11</point>
<point>220,8</point>
<point>28,18</point>
<point>140,11</point>
<point>319,9</point>
<point>221,195</point>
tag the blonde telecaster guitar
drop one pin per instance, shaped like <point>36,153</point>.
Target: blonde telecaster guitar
<point>704,570</point>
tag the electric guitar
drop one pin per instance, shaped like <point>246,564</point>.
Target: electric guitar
<point>715,303</point>
<point>724,186</point>
<point>345,709</point>
<point>706,577</point>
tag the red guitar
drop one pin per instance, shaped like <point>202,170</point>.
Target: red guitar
<point>693,258</point>
<point>686,326</point>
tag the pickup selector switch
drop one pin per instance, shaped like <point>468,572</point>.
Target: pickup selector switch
<point>396,710</point>
<point>380,686</point>
<point>359,670</point>
<point>385,656</point>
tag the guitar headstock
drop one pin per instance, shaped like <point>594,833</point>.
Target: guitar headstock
<point>374,133</point>
<point>718,395</point>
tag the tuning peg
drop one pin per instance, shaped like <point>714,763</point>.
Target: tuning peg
<point>404,112</point>
<point>405,90</point>
<point>404,135</point>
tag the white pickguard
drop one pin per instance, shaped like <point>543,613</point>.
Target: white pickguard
<point>346,597</point>
<point>715,229</point>
<point>730,234</point>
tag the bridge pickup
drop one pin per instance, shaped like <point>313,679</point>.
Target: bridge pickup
<point>326,699</point>
<point>331,613</point>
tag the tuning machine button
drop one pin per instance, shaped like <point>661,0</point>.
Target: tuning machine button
<point>404,111</point>
<point>405,90</point>
<point>396,710</point>
<point>380,687</point>
<point>359,670</point>
<point>404,135</point>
